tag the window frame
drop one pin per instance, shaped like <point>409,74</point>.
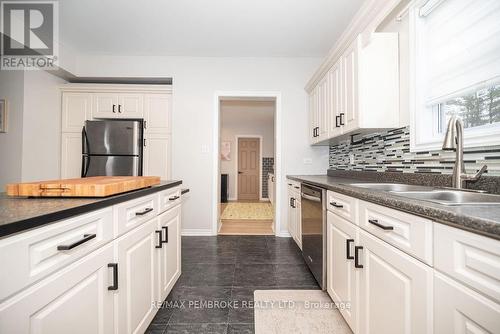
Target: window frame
<point>422,136</point>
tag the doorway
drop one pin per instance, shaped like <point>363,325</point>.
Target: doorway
<point>247,154</point>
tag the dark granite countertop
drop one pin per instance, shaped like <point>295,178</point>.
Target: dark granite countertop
<point>480,219</point>
<point>22,213</point>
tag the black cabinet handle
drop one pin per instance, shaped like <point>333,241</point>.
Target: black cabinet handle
<point>296,187</point>
<point>290,184</point>
<point>114,108</point>
<point>165,228</point>
<point>160,239</point>
<point>145,211</point>
<point>115,276</point>
<point>337,119</point>
<point>384,227</point>
<point>144,141</point>
<point>173,198</point>
<point>293,203</point>
<point>342,118</point>
<point>334,204</point>
<point>314,132</point>
<point>356,256</point>
<point>348,243</point>
<point>120,108</point>
<point>86,237</point>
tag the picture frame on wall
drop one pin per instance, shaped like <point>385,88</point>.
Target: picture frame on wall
<point>225,151</point>
<point>3,116</point>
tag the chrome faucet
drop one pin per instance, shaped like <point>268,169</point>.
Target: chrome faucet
<point>454,141</point>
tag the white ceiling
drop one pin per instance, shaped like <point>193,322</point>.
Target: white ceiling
<point>231,28</point>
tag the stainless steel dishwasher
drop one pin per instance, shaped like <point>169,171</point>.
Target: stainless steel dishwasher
<point>313,222</point>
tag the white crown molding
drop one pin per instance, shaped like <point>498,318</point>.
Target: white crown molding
<point>70,87</point>
<point>366,20</point>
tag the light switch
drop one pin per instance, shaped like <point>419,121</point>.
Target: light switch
<point>205,148</point>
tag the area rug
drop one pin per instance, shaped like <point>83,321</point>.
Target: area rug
<point>245,211</point>
<point>297,311</point>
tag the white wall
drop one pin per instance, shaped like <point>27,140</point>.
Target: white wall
<point>11,89</point>
<point>41,126</point>
<point>240,118</point>
<point>31,148</point>
<point>196,81</point>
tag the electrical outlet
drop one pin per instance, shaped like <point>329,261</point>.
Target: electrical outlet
<point>205,148</point>
<point>308,161</point>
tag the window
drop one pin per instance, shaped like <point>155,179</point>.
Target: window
<point>456,71</point>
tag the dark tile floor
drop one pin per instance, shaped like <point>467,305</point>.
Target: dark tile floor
<point>225,270</point>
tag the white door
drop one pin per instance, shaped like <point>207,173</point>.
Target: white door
<point>458,309</point>
<point>341,274</point>
<point>313,115</point>
<point>136,254</point>
<point>158,113</point>
<point>349,117</point>
<point>74,300</point>
<point>76,109</point>
<point>157,155</point>
<point>324,108</point>
<point>130,105</point>
<point>71,155</point>
<point>395,295</point>
<point>170,259</point>
<point>105,105</point>
<point>337,99</point>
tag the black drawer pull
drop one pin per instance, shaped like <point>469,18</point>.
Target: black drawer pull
<point>384,227</point>
<point>296,187</point>
<point>120,108</point>
<point>348,249</point>
<point>165,228</point>
<point>145,211</point>
<point>342,118</point>
<point>173,198</point>
<point>115,276</point>
<point>86,237</point>
<point>336,205</point>
<point>337,119</point>
<point>114,108</point>
<point>356,256</point>
<point>160,239</point>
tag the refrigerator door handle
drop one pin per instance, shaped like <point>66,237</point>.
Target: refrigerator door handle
<point>85,147</point>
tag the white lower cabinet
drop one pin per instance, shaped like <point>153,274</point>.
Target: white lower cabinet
<point>74,300</point>
<point>170,254</point>
<point>294,212</point>
<point>458,309</point>
<point>136,255</point>
<point>341,274</point>
<point>387,274</point>
<point>395,289</point>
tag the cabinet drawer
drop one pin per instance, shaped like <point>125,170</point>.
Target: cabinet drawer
<point>169,198</point>
<point>293,185</point>
<point>409,233</point>
<point>342,205</point>
<point>31,256</point>
<point>469,258</point>
<point>133,213</point>
<point>458,309</point>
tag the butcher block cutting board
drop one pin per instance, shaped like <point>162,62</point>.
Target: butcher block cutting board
<point>96,186</point>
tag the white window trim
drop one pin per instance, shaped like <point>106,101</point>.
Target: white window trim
<point>421,137</point>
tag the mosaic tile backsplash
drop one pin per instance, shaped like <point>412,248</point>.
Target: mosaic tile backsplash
<point>267,167</point>
<point>390,151</point>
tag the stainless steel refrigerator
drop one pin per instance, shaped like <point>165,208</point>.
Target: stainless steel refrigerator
<point>112,148</point>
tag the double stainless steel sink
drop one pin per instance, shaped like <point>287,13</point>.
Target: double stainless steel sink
<point>441,196</point>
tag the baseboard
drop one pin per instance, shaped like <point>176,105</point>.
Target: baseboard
<point>284,235</point>
<point>232,199</point>
<point>196,232</point>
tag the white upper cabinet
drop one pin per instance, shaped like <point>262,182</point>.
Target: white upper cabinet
<point>76,109</point>
<point>337,100</point>
<point>360,92</point>
<point>105,105</point>
<point>158,113</point>
<point>118,105</point>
